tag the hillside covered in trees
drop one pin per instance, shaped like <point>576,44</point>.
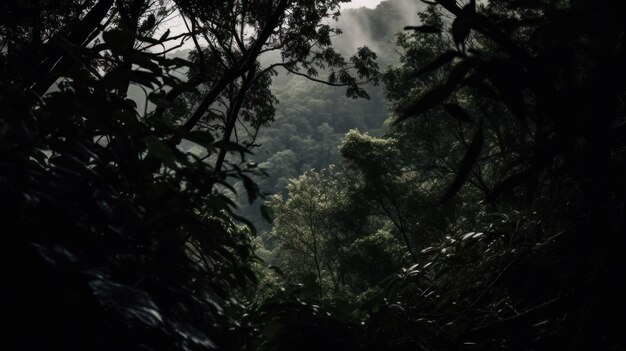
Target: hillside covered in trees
<point>311,118</point>
<point>289,175</point>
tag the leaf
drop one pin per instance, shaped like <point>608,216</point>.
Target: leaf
<point>131,103</point>
<point>252,188</point>
<point>175,62</point>
<point>159,101</point>
<point>120,41</point>
<point>144,78</point>
<point>149,22</point>
<point>39,156</point>
<point>171,81</point>
<point>473,151</point>
<point>246,222</point>
<point>268,213</point>
<point>460,31</point>
<point>223,183</point>
<point>160,151</point>
<point>114,80</point>
<point>427,102</point>
<point>464,22</point>
<point>134,305</point>
<point>457,112</point>
<point>440,61</point>
<point>100,47</point>
<point>165,35</point>
<point>201,138</point>
<point>424,29</point>
<point>119,77</point>
<point>145,62</point>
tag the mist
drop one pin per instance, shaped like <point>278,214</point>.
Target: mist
<point>376,27</point>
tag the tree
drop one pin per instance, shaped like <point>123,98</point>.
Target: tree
<point>529,86</point>
<point>239,33</point>
<point>305,232</point>
<point>115,239</point>
<point>323,230</point>
<point>500,137</point>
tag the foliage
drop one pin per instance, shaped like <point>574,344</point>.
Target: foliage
<point>118,238</point>
<point>503,157</point>
<point>227,83</point>
<point>498,182</point>
<point>311,118</point>
<point>311,231</point>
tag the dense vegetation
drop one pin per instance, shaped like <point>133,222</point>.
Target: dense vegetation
<point>486,214</point>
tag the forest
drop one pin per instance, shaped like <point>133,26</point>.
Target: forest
<point>269,175</point>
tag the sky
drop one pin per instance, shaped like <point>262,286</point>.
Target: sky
<point>360,3</point>
<point>177,26</point>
